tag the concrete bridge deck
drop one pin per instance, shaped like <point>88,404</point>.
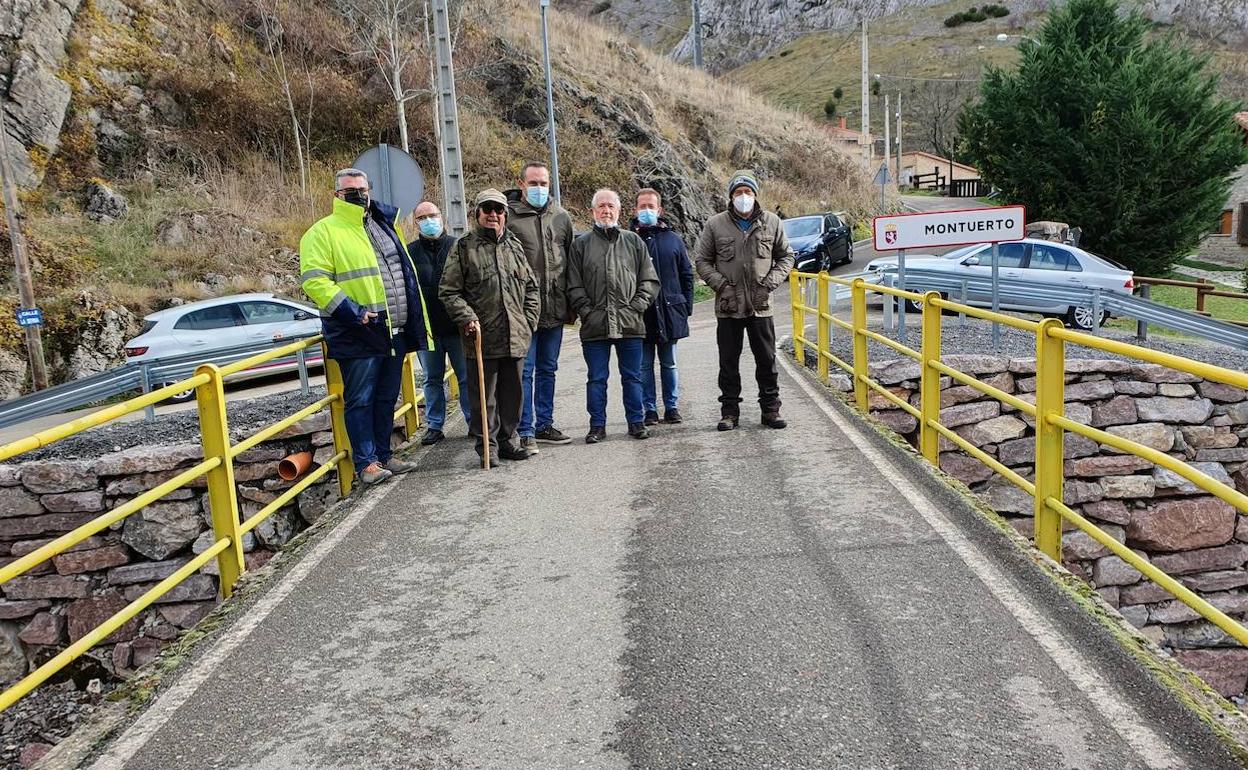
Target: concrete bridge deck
<point>757,599</point>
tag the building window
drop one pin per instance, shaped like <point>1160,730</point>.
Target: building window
<point>1223,227</point>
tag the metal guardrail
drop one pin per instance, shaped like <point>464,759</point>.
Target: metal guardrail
<point>1119,304</point>
<point>1048,410</point>
<point>144,377</point>
<point>218,468</point>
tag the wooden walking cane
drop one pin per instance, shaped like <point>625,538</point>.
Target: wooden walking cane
<point>485,422</point>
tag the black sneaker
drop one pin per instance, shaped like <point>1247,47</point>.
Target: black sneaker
<point>510,451</point>
<point>552,435</point>
<point>727,422</point>
<point>652,418</point>
<point>432,436</point>
<point>638,430</point>
<point>672,417</point>
<point>595,435</point>
<point>774,420</point>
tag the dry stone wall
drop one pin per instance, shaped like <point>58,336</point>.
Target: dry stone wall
<point>1183,530</point>
<point>62,600</point>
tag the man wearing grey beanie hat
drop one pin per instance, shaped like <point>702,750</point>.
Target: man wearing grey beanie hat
<point>743,255</point>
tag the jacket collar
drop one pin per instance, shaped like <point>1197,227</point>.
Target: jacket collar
<point>488,234</point>
<point>355,215</point>
<point>611,235</point>
<point>638,227</point>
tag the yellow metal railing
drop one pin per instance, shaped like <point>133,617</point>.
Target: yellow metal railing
<point>218,466</point>
<point>1048,411</point>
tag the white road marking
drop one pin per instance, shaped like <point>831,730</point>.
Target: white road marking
<point>169,701</point>
<point>1121,715</point>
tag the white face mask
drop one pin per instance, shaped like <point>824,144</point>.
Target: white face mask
<point>744,203</point>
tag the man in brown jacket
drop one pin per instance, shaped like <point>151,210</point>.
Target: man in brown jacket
<point>488,290</point>
<point>743,255</point>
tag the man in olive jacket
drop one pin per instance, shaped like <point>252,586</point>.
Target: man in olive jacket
<point>488,290</point>
<point>611,282</point>
<point>743,255</point>
<point>545,229</point>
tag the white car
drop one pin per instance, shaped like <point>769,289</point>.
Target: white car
<point>1030,260</point>
<point>226,322</point>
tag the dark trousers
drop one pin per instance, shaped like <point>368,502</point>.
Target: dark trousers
<point>503,395</point>
<point>762,336</point>
<point>370,388</point>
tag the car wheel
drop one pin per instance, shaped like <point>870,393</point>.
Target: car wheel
<point>1083,317</point>
<point>912,307</point>
<point>182,396</point>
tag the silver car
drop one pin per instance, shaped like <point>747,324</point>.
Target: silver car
<point>1030,260</point>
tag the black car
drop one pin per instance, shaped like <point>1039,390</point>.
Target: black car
<point>820,241</point>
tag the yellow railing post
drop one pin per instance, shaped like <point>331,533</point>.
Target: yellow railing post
<point>452,383</point>
<point>823,327</point>
<point>929,382</point>
<point>337,418</point>
<point>799,317</point>
<point>222,495</point>
<point>1050,400</point>
<point>859,317</point>
<point>411,419</point>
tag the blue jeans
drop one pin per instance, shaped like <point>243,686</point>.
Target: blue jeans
<point>370,390</point>
<point>667,373</point>
<point>540,366</point>
<point>598,361</point>
<point>433,363</point>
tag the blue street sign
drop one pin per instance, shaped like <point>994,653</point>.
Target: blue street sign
<point>32,316</point>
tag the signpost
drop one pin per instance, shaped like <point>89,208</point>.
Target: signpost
<point>396,178</point>
<point>29,316</point>
<point>900,232</point>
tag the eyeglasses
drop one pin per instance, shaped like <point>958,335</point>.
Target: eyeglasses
<point>493,208</point>
<point>349,190</point>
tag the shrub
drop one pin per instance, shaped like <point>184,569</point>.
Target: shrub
<point>829,108</point>
<point>955,20</point>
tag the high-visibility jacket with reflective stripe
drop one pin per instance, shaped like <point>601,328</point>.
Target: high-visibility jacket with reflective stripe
<point>339,272</point>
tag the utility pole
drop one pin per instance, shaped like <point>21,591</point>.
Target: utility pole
<point>898,140</point>
<point>21,265</point>
<point>452,161</point>
<point>550,109</point>
<point>887,149</point>
<point>437,116</point>
<point>697,34</point>
<point>866,100</point>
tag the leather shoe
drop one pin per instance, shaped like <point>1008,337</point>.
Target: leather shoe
<point>672,417</point>
<point>510,451</point>
<point>432,436</point>
<point>727,422</point>
<point>773,420</point>
<point>652,418</point>
<point>638,430</point>
<point>595,435</point>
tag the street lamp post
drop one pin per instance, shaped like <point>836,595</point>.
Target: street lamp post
<point>550,108</point>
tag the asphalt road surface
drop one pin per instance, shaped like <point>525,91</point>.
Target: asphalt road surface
<point>754,599</point>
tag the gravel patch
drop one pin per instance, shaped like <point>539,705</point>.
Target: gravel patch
<point>50,713</point>
<point>976,338</point>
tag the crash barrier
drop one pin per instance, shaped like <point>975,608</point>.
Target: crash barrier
<point>217,467</point>
<point>1099,301</point>
<point>1048,411</point>
<point>1203,288</point>
<point>144,377</point>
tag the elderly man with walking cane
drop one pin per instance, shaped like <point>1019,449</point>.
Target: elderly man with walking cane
<point>489,291</point>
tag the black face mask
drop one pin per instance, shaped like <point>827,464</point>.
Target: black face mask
<point>356,197</point>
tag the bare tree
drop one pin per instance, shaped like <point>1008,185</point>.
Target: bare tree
<point>266,23</point>
<point>933,106</point>
<point>386,30</point>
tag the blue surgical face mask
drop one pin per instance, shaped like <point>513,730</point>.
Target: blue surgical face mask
<point>431,227</point>
<point>537,196</point>
<point>647,217</point>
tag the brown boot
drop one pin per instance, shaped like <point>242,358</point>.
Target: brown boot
<point>773,420</point>
<point>727,422</point>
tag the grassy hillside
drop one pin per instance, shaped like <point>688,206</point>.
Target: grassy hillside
<point>178,107</point>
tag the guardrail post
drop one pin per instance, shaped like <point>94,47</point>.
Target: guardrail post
<point>888,302</point>
<point>962,313</point>
<point>222,495</point>
<point>145,380</point>
<point>1096,309</point>
<point>859,317</point>
<point>799,317</point>
<point>337,417</point>
<point>823,343</point>
<point>1050,471</point>
<point>929,380</point>
<point>411,419</point>
<point>302,358</point>
<point>452,383</point>
<point>1141,326</point>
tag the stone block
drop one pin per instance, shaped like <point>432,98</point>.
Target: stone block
<point>1106,465</point>
<point>1168,479</point>
<point>1075,492</point>
<point>1090,391</point>
<point>16,610</point>
<point>1238,413</point>
<point>964,468</point>
<point>44,629</point>
<point>1119,410</point>
<point>85,615</point>
<point>1154,435</point>
<point>10,475</point>
<point>1136,615</point>
<point>1188,411</point>
<point>1080,546</point>
<point>89,501</point>
<point>326,437</point>
<point>47,587</point>
<point>33,526</point>
<point>264,454</point>
<point>993,430</point>
<point>186,615</point>
<point>1175,390</point>
<point>976,365</point>
<point>1022,366</point>
<point>1113,511</point>
<point>1182,525</point>
<point>48,476</point>
<point>1098,366</point>
<point>279,527</point>
<point>1128,487</point>
<point>94,560</point>
<point>1224,670</point>
<point>23,547</point>
<point>887,372</point>
<point>1146,592</point>
<point>129,486</point>
<point>1236,455</point>
<point>1109,594</point>
<point>961,394</point>
<point>144,572</point>
<point>162,529</point>
<point>1225,394</point>
<point>315,500</point>
<point>144,650</point>
<point>1218,580</point>
<point>1197,635</point>
<point>146,459</point>
<point>1113,571</point>
<point>897,421</point>
<point>1135,388</point>
<point>1003,497</point>
<point>254,472</point>
<point>256,495</point>
<point>196,588</point>
<point>876,401</point>
<point>1208,437</point>
<point>1222,557</point>
<point>966,414</point>
<point>15,501</point>
<point>1159,374</point>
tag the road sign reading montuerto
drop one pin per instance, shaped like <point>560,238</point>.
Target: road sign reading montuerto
<point>949,228</point>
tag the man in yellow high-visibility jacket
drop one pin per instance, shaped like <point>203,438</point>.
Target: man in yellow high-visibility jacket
<point>354,265</point>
